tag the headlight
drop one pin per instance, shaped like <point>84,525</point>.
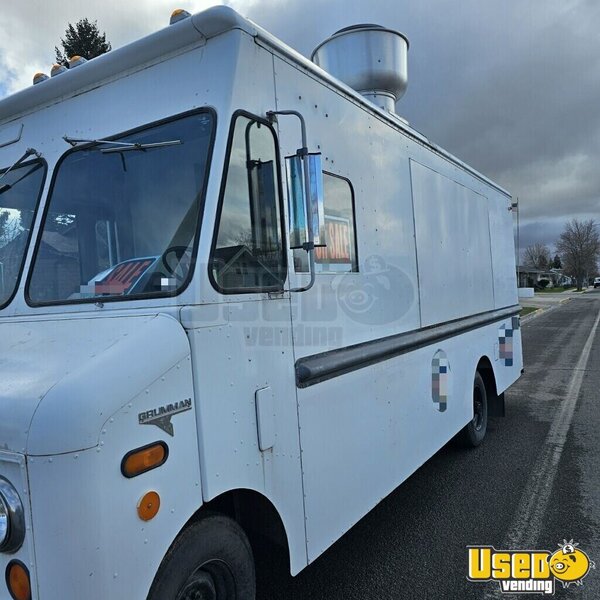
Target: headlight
<point>3,522</point>
<point>12,518</point>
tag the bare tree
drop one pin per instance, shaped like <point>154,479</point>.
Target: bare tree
<point>579,246</point>
<point>538,257</point>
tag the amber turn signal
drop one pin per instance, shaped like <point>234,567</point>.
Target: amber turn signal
<point>17,581</point>
<point>144,459</point>
<point>148,506</point>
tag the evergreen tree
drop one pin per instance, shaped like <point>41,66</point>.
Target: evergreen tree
<point>82,39</point>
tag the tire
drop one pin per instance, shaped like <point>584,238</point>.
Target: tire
<point>473,433</point>
<point>211,560</point>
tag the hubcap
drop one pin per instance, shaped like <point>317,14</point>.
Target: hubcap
<point>211,581</point>
<point>477,409</point>
<point>202,587</point>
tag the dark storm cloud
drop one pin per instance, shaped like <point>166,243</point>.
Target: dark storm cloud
<point>530,234</point>
<point>512,88</point>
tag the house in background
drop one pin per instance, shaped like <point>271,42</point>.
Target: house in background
<point>60,258</point>
<point>559,278</point>
<point>530,277</point>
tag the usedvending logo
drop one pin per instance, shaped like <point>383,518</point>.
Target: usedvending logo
<point>161,416</point>
<point>529,571</point>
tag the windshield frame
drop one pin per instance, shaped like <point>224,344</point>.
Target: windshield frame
<point>202,197</point>
<point>42,161</point>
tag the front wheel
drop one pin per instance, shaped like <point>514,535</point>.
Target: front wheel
<point>473,433</point>
<point>211,560</point>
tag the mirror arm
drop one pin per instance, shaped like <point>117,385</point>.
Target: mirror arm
<point>303,153</point>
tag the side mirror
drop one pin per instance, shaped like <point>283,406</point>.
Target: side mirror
<point>298,229</point>
<point>316,198</point>
<point>305,197</point>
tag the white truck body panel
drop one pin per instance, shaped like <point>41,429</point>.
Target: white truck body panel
<point>365,431</point>
<point>453,247</point>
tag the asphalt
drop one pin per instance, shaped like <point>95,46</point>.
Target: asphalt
<point>413,544</point>
<point>547,299</point>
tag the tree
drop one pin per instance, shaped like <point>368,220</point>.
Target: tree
<point>556,262</point>
<point>579,246</point>
<point>82,39</point>
<point>10,227</point>
<point>3,222</point>
<point>537,256</point>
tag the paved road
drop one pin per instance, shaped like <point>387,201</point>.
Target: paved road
<point>545,299</point>
<point>413,545</point>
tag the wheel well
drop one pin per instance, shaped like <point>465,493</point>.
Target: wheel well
<point>255,513</point>
<point>495,400</point>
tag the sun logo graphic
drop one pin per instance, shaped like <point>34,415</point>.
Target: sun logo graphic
<point>529,571</point>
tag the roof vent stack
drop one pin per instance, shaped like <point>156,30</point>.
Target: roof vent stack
<point>371,59</point>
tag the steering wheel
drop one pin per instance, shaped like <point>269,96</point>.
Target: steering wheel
<point>183,258</point>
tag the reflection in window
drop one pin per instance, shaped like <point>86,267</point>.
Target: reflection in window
<point>123,223</point>
<point>339,254</point>
<point>19,192</point>
<point>248,253</point>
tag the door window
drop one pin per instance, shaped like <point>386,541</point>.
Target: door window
<point>248,253</point>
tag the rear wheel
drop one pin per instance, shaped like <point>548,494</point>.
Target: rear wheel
<point>473,433</point>
<point>211,560</point>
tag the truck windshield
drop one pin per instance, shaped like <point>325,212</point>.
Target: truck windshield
<point>20,189</point>
<point>122,218</point>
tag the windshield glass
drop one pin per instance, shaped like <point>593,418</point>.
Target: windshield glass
<point>19,192</point>
<point>122,219</point>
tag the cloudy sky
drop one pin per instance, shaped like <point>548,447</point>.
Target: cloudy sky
<point>512,87</point>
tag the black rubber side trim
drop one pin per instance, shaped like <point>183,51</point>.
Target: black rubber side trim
<point>326,365</point>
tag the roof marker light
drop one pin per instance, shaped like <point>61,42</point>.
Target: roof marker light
<point>39,77</point>
<point>57,70</point>
<point>76,60</point>
<point>178,15</point>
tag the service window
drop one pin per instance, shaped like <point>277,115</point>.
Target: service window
<point>339,255</point>
<point>248,252</point>
<point>122,218</point>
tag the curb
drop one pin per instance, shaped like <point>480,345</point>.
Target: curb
<point>536,313</point>
<point>542,311</point>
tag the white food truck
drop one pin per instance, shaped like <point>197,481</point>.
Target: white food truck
<point>238,295</point>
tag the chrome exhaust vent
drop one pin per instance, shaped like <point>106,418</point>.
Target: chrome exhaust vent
<point>371,59</point>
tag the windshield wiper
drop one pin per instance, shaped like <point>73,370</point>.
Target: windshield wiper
<point>121,146</point>
<point>10,186</point>
<point>29,152</point>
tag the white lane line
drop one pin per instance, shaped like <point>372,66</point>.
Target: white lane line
<point>524,531</point>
